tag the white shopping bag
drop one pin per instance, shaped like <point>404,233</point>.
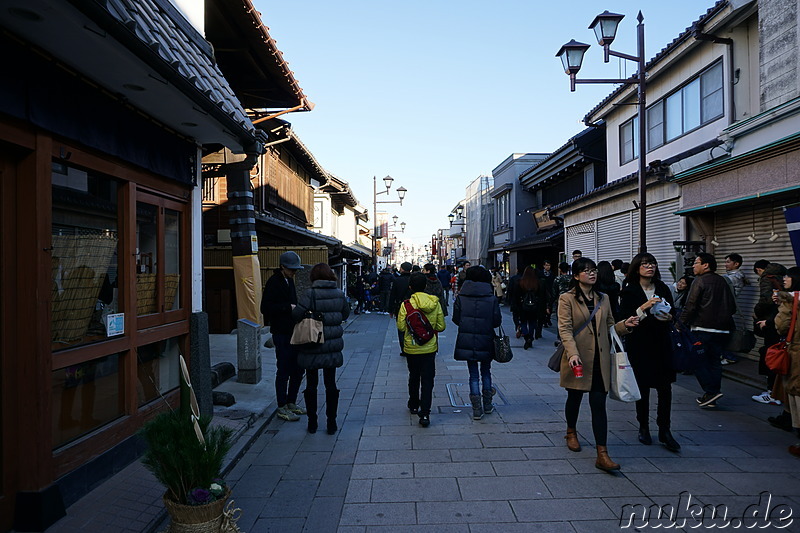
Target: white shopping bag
<point>623,382</point>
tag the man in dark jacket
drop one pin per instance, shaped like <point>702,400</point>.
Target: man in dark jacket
<point>280,297</point>
<point>709,312</point>
<point>433,286</point>
<point>385,282</point>
<point>400,292</point>
<point>444,278</point>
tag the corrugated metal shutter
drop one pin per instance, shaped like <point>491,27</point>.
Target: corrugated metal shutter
<point>732,230</point>
<point>663,227</point>
<point>614,238</point>
<point>582,237</point>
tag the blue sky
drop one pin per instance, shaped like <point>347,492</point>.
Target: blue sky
<point>437,92</point>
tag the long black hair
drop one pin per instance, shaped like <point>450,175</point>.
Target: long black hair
<point>632,277</point>
<point>605,274</point>
<point>794,273</point>
<point>578,266</point>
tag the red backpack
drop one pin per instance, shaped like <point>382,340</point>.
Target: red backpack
<point>418,324</point>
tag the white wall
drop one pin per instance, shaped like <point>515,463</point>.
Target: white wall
<point>194,11</point>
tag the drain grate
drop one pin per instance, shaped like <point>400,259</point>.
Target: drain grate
<point>459,395</point>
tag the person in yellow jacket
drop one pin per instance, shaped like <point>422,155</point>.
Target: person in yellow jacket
<point>421,357</point>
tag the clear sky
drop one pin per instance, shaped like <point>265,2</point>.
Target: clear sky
<point>438,92</point>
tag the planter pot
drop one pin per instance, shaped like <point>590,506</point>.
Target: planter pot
<point>196,518</point>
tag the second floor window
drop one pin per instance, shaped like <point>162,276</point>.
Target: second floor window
<point>697,103</point>
<point>501,216</point>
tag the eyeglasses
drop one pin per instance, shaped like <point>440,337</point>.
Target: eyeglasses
<point>647,264</point>
<point>590,271</point>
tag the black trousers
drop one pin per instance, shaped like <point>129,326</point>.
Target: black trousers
<point>663,411</point>
<point>288,375</point>
<point>421,371</point>
<point>328,378</point>
<point>597,403</point>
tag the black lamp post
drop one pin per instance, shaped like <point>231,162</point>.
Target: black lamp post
<point>571,55</point>
<point>401,193</point>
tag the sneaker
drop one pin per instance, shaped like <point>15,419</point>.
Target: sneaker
<point>766,398</point>
<point>424,421</point>
<point>285,414</point>
<point>708,400</point>
<point>296,409</point>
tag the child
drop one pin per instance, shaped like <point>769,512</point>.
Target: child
<point>421,357</point>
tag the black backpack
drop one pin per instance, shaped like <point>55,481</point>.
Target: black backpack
<point>530,302</point>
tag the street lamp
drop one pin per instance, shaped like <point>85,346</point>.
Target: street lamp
<point>401,193</point>
<point>571,54</point>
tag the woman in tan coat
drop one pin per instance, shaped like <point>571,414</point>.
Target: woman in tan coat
<point>589,349</point>
<point>791,381</point>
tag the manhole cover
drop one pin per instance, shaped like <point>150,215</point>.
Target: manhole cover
<point>459,395</point>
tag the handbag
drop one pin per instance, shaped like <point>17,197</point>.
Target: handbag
<point>554,363</point>
<point>741,341</point>
<point>309,329</point>
<point>623,381</point>
<point>777,357</point>
<point>502,347</point>
<point>686,351</point>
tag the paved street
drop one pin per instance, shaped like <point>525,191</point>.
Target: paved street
<point>510,471</point>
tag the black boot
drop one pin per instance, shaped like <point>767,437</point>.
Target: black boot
<point>311,407</point>
<point>477,408</point>
<point>487,400</point>
<point>332,405</point>
<point>665,437</point>
<point>644,435</point>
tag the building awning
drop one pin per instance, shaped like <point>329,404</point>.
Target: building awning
<point>731,203</point>
<point>298,231</point>
<point>540,240</point>
<point>356,250</point>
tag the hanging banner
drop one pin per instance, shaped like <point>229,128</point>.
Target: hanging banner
<point>792,215</point>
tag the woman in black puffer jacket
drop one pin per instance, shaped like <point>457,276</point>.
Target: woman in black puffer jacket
<point>476,312</point>
<point>323,297</point>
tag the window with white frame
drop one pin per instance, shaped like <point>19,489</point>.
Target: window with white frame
<point>629,140</point>
<point>695,104</point>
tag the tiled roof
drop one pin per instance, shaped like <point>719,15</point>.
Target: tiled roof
<point>607,187</point>
<point>183,52</point>
<point>713,10</point>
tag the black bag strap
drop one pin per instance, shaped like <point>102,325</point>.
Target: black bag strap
<point>591,316</point>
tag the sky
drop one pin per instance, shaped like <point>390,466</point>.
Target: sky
<point>438,92</point>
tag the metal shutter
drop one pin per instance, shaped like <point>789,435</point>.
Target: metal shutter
<point>732,230</point>
<point>614,238</point>
<point>582,237</point>
<point>663,227</point>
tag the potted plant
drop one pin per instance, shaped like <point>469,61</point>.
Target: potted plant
<point>185,453</point>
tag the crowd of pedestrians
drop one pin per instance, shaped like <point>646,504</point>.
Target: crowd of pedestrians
<point>585,300</point>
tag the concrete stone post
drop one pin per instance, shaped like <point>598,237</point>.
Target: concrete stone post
<point>249,351</point>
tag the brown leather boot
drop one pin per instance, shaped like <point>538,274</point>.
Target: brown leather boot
<point>572,440</point>
<point>604,462</point>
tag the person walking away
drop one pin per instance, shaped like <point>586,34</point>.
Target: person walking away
<point>737,281</point>
<point>607,284</point>
<point>709,314</point>
<point>434,286</point>
<point>512,299</point>
<point>586,364</point>
<point>277,303</point>
<point>421,358</point>
<point>325,298</point>
<point>791,381</point>
<point>532,305</point>
<point>649,347</point>
<point>444,278</point>
<point>385,289</point>
<point>400,291</point>
<point>476,312</point>
<point>770,280</point>
<point>548,277</point>
<point>619,276</point>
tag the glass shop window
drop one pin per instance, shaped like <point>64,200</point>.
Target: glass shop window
<point>84,252</point>
<point>158,369</point>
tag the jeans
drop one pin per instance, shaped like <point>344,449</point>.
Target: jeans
<point>485,378</point>
<point>709,367</point>
<point>421,371</point>
<point>288,375</point>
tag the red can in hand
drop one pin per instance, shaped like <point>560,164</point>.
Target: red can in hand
<point>578,371</point>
